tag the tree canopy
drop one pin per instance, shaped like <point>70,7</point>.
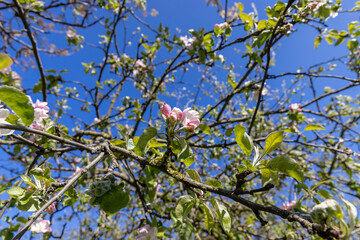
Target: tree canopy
<point>114,125</point>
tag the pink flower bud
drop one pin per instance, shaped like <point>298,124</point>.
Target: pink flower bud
<point>177,112</point>
<point>51,209</point>
<point>165,110</point>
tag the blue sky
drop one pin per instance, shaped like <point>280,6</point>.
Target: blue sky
<point>293,52</point>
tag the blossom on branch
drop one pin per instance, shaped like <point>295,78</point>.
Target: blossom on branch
<point>3,115</point>
<point>221,25</point>
<point>188,42</point>
<point>147,233</point>
<point>139,68</point>
<point>41,111</point>
<point>295,107</point>
<point>289,206</point>
<point>190,119</point>
<point>41,226</point>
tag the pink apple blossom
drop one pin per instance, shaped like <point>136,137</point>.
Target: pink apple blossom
<point>40,114</point>
<point>289,206</point>
<point>37,126</point>
<point>51,209</point>
<point>41,110</point>
<point>140,63</point>
<point>41,226</point>
<point>295,107</point>
<point>190,119</point>
<point>41,105</point>
<point>146,233</point>
<point>3,115</point>
<point>221,25</point>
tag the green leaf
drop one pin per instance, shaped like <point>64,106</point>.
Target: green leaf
<point>5,61</point>
<point>286,165</point>
<point>22,220</point>
<point>329,40</point>
<point>205,129</point>
<point>188,161</point>
<point>214,182</point>
<point>26,197</point>
<point>18,102</point>
<point>318,184</point>
<point>240,7</point>
<point>38,172</point>
<point>155,144</point>
<point>352,45</point>
<point>194,175</point>
<point>209,217</point>
<point>272,142</point>
<point>339,41</point>
<point>183,207</point>
<point>313,127</point>
<point>269,176</point>
<point>229,132</point>
<point>68,201</point>
<point>317,41</point>
<point>28,180</point>
<point>222,215</point>
<point>16,192</point>
<point>325,194</point>
<point>262,24</point>
<point>14,120</point>
<point>114,200</point>
<point>145,137</point>
<point>32,205</point>
<point>186,151</point>
<point>243,140</point>
<point>47,173</point>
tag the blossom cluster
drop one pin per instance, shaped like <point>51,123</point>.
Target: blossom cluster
<point>190,119</point>
<point>188,42</point>
<point>289,206</point>
<point>41,226</point>
<point>295,108</point>
<point>221,25</point>
<point>40,113</point>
